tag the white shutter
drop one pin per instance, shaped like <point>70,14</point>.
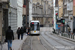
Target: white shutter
<point>12,19</point>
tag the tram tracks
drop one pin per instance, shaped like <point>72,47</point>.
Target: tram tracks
<point>66,46</point>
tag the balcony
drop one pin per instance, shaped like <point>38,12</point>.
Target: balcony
<point>65,15</point>
<point>37,15</point>
<point>41,15</point>
<point>3,1</point>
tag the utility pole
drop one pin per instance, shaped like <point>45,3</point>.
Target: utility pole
<point>58,9</point>
<point>54,15</point>
<point>26,13</point>
<point>30,10</point>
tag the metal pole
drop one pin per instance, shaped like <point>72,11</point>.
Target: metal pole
<point>54,15</point>
<point>58,11</point>
<point>30,10</point>
<point>26,13</point>
<point>58,15</point>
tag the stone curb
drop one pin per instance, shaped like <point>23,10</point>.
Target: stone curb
<point>22,44</point>
<point>66,38</point>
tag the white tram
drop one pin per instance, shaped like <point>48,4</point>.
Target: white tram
<point>35,27</point>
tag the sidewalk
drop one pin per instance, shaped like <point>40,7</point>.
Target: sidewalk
<point>16,44</point>
<point>66,36</point>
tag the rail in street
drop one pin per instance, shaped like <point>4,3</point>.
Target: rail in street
<point>59,43</point>
<point>47,41</point>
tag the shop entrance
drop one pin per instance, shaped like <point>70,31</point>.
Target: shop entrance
<point>4,21</point>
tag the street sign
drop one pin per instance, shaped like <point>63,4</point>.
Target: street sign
<point>58,22</point>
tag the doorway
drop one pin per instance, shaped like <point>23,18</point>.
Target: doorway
<point>4,21</point>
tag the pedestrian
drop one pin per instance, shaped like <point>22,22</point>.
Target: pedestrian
<point>9,37</point>
<point>69,30</point>
<point>18,32</point>
<point>22,31</point>
<point>28,30</point>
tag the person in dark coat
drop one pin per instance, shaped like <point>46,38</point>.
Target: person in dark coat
<point>9,37</point>
<point>28,30</point>
<point>18,32</point>
<point>22,31</point>
<point>69,30</point>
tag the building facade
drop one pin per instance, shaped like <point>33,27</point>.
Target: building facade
<point>3,18</point>
<point>25,13</point>
<point>12,15</point>
<point>60,5</point>
<point>74,16</point>
<point>68,14</point>
<point>74,8</point>
<point>19,13</point>
<point>42,11</point>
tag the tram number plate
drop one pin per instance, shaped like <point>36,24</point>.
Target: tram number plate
<point>34,31</point>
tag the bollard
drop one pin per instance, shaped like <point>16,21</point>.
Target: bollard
<point>69,35</point>
<point>62,34</point>
<point>73,36</point>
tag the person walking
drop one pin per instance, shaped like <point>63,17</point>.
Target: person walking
<point>9,37</point>
<point>22,31</point>
<point>69,31</point>
<point>28,30</point>
<point>18,32</point>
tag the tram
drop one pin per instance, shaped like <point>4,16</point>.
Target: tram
<point>35,27</point>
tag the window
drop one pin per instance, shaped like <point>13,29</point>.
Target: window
<point>35,26</point>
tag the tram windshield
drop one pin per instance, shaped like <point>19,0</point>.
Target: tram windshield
<point>34,26</point>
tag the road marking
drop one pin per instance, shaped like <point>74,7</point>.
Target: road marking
<point>38,38</point>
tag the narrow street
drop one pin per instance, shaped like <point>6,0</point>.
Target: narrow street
<point>36,43</point>
<point>52,20</point>
<point>47,41</point>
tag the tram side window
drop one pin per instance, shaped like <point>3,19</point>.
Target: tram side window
<point>38,27</point>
